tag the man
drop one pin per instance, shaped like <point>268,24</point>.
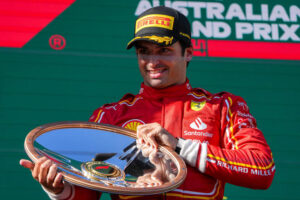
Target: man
<point>214,133</point>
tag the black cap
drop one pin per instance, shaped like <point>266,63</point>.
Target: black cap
<point>163,26</point>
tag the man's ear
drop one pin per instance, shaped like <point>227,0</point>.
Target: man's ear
<point>189,53</point>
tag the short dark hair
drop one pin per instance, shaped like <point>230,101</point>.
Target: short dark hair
<point>184,45</point>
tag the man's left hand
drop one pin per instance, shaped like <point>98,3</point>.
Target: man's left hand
<point>149,137</point>
<point>154,134</point>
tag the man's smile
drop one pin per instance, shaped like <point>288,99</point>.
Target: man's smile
<point>156,73</point>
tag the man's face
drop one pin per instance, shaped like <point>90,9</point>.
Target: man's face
<point>162,66</point>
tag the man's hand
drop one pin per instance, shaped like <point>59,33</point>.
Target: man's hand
<point>165,171</point>
<point>153,135</point>
<point>149,136</point>
<point>45,172</point>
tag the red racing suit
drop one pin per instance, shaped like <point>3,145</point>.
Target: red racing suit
<point>222,144</point>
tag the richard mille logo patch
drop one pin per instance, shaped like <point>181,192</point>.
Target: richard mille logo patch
<point>198,124</point>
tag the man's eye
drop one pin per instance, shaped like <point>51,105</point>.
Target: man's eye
<point>165,50</point>
<point>142,51</point>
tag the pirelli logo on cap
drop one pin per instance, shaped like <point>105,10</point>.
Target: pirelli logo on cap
<point>162,21</point>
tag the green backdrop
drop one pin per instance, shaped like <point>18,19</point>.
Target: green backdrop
<point>41,85</point>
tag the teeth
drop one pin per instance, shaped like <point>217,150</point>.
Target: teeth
<point>156,71</point>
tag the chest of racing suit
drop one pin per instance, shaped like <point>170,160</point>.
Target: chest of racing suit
<point>235,150</point>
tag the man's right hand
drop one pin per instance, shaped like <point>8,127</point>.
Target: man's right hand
<point>45,172</point>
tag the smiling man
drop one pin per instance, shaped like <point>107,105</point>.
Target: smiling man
<point>162,67</point>
<point>214,133</point>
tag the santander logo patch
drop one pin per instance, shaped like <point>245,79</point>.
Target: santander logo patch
<point>198,124</point>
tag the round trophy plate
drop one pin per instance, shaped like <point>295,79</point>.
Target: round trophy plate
<point>102,157</point>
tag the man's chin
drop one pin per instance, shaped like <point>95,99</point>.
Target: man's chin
<point>157,83</point>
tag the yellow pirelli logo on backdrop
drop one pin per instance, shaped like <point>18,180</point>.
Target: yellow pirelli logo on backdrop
<point>162,21</point>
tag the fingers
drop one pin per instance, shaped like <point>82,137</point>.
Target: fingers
<point>145,149</point>
<point>54,180</point>
<point>154,134</point>
<point>151,138</point>
<point>51,175</point>
<point>155,158</point>
<point>26,164</point>
<point>139,143</point>
<point>147,134</point>
<point>43,171</point>
<point>148,180</point>
<point>142,180</point>
<point>157,177</point>
<point>36,169</point>
<point>57,183</point>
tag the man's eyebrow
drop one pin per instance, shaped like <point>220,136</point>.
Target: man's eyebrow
<point>141,46</point>
<point>145,47</point>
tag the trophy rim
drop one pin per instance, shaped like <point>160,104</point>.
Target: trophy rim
<point>174,183</point>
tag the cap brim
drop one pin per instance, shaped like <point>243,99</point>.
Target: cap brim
<point>159,40</point>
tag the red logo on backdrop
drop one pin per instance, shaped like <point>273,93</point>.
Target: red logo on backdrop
<point>246,49</point>
<point>57,42</point>
<point>200,47</point>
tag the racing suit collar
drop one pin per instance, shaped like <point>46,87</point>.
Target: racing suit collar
<point>172,91</point>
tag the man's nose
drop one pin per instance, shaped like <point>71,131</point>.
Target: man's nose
<point>153,60</point>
